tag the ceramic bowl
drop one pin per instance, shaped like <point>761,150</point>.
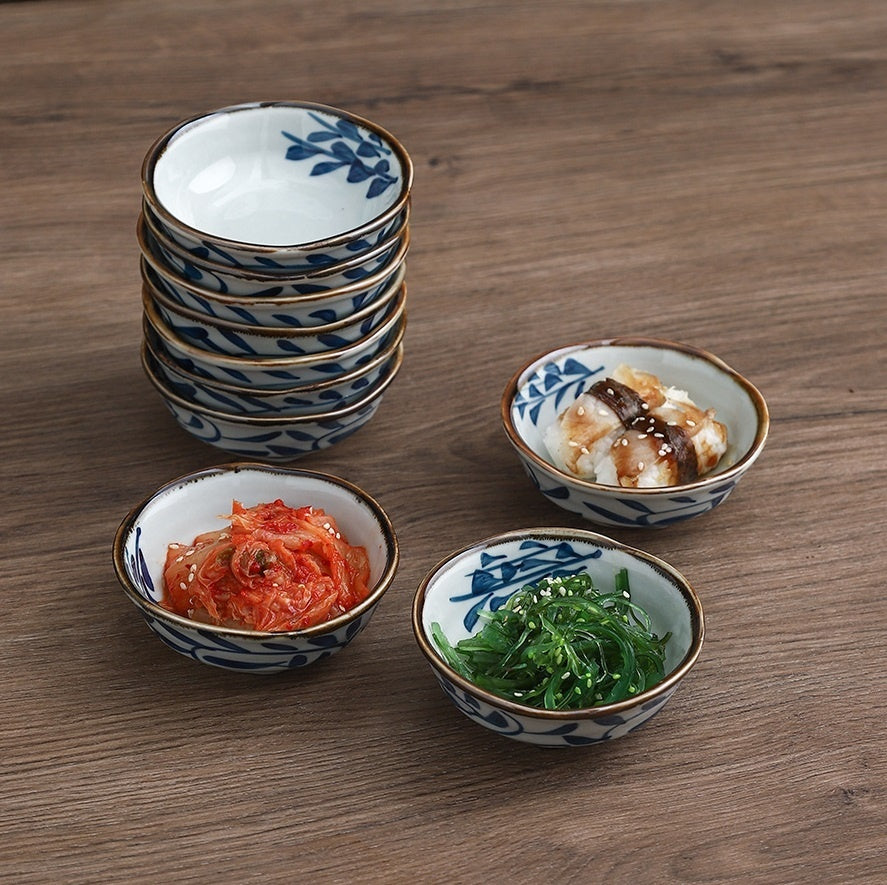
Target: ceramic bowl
<point>485,574</point>
<point>277,184</point>
<point>185,507</point>
<point>239,339</point>
<point>280,437</point>
<point>310,399</point>
<point>549,383</point>
<point>274,373</point>
<point>288,311</point>
<point>215,277</point>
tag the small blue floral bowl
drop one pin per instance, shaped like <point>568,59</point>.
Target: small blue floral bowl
<point>208,275</point>
<point>278,372</point>
<point>302,310</point>
<point>484,575</point>
<point>229,338</point>
<point>276,437</point>
<point>183,508</point>
<point>308,399</point>
<point>539,391</point>
<point>278,186</point>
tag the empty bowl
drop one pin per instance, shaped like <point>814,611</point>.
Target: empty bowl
<point>307,399</point>
<point>242,339</point>
<point>274,437</point>
<point>277,184</point>
<point>275,372</point>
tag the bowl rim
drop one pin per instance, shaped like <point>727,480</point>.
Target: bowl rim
<point>697,625</point>
<point>382,300</point>
<point>160,145</point>
<point>147,259</point>
<point>395,318</point>
<point>386,353</point>
<point>249,419</point>
<point>709,479</point>
<point>145,226</point>
<point>386,579</point>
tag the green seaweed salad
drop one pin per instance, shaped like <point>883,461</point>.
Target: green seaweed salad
<point>560,644</point>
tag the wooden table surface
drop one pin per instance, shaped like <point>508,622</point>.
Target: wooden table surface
<point>711,172</point>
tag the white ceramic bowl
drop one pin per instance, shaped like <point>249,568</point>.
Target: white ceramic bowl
<point>309,399</point>
<point>282,371</point>
<point>279,437</point>
<point>181,509</point>
<point>216,277</point>
<point>275,309</point>
<point>484,575</point>
<point>275,184</point>
<point>240,339</point>
<point>540,390</point>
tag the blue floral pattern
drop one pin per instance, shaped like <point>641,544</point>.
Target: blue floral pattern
<point>500,575</point>
<point>277,442</point>
<point>574,733</point>
<point>555,383</point>
<point>345,146</point>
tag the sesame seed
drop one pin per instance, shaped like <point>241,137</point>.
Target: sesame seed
<point>180,558</point>
<point>642,436</point>
<point>640,465</point>
<point>659,435</point>
<point>645,406</point>
<point>580,411</point>
<point>183,585</point>
<point>573,444</point>
<point>190,577</point>
<point>603,412</point>
<point>624,441</point>
<point>690,423</point>
<point>610,391</point>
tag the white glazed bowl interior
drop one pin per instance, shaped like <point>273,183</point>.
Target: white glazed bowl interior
<point>483,575</point>
<point>278,174</point>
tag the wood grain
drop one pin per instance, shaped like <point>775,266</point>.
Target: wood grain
<point>703,170</point>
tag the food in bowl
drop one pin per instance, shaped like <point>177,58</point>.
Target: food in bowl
<point>276,568</point>
<point>630,429</point>
<point>562,644</point>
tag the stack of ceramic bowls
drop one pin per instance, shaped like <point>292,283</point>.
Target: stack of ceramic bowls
<point>273,240</point>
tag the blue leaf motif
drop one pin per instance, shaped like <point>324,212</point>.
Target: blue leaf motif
<point>343,152</point>
<point>359,172</point>
<point>326,168</point>
<point>330,140</point>
<point>300,151</point>
<point>377,187</point>
<point>321,136</point>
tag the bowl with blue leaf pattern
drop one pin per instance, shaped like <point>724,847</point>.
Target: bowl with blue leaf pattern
<point>282,371</point>
<point>455,595</point>
<point>280,436</point>
<point>357,272</point>
<point>227,337</point>
<point>183,508</point>
<point>277,185</point>
<point>306,399</point>
<point>277,305</point>
<point>549,385</point>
